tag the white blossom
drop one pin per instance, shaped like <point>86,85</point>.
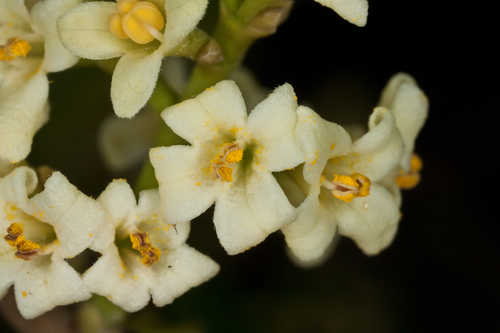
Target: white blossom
<point>132,30</point>
<point>230,162</point>
<point>149,257</point>
<point>338,186</point>
<point>29,49</point>
<point>38,234</point>
<point>354,11</point>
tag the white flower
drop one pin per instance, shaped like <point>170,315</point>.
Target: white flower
<point>38,234</point>
<point>354,11</point>
<point>132,30</point>
<point>230,162</point>
<point>149,257</point>
<point>29,49</point>
<point>337,187</point>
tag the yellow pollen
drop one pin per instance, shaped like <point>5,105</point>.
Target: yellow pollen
<point>115,26</point>
<point>14,48</point>
<point>13,232</point>
<point>234,156</point>
<point>225,173</point>
<point>344,180</point>
<point>346,188</point>
<point>149,253</point>
<point>26,248</point>
<point>365,184</point>
<point>124,6</point>
<point>410,179</point>
<point>139,22</point>
<point>332,147</point>
<point>222,166</point>
<point>24,293</point>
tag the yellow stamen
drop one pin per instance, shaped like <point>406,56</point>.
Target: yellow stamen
<point>225,173</point>
<point>14,48</point>
<point>223,165</point>
<point>234,155</point>
<point>149,253</point>
<point>346,188</point>
<point>365,184</point>
<point>124,6</point>
<point>13,232</point>
<point>115,26</point>
<point>26,248</point>
<point>410,179</point>
<point>345,181</point>
<point>141,21</point>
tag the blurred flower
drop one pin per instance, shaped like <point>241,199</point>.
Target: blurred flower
<point>132,30</point>
<point>230,162</point>
<point>29,49</point>
<point>354,11</point>
<point>38,234</point>
<point>337,187</point>
<point>149,258</point>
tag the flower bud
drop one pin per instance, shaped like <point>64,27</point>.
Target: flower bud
<point>267,21</point>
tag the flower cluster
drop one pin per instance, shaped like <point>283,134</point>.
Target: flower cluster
<point>279,167</point>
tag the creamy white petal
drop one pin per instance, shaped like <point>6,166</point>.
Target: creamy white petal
<point>161,233</point>
<point>134,80</point>
<point>23,110</point>
<point>409,106</point>
<point>14,13</point>
<point>370,221</point>
<point>118,200</point>
<point>376,153</point>
<point>320,140</point>
<point>182,17</point>
<point>184,188</point>
<point>225,105</point>
<point>272,123</point>
<point>46,283</point>
<point>178,271</point>
<point>120,282</point>
<point>76,218</point>
<point>124,143</point>
<point>17,186</point>
<point>84,31</point>
<point>8,271</point>
<point>249,211</point>
<point>5,167</point>
<point>45,15</point>
<point>312,232</point>
<point>354,11</point>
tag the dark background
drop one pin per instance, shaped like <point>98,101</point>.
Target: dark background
<point>442,271</point>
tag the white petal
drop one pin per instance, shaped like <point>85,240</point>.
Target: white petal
<point>23,110</point>
<point>370,221</point>
<point>46,283</point>
<point>376,153</point>
<point>9,266</point>
<point>182,17</point>
<point>5,167</point>
<point>118,200</point>
<point>44,15</point>
<point>354,11</point>
<point>124,143</point>
<point>14,13</point>
<point>409,106</point>
<point>76,218</point>
<point>184,189</point>
<point>162,234</point>
<point>272,123</point>
<point>178,271</point>
<point>120,282</point>
<point>254,207</point>
<point>134,80</point>
<point>84,31</point>
<point>17,186</point>
<point>320,140</point>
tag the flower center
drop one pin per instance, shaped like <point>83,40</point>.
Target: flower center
<point>223,164</point>
<point>14,48</point>
<point>410,179</point>
<point>16,239</point>
<point>141,21</point>
<point>346,188</point>
<point>142,244</point>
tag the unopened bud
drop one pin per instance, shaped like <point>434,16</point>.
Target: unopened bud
<point>267,21</point>
<point>210,54</point>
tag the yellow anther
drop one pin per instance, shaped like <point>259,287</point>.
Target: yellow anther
<point>149,253</point>
<point>142,21</point>
<point>365,184</point>
<point>124,6</point>
<point>234,155</point>
<point>115,26</point>
<point>346,188</point>
<point>14,48</point>
<point>13,232</point>
<point>410,179</point>
<point>225,173</point>
<point>26,248</point>
<point>345,181</point>
<point>222,165</point>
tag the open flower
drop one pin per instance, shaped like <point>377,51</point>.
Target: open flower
<point>38,234</point>
<point>354,11</point>
<point>230,162</point>
<point>149,257</point>
<point>409,106</point>
<point>337,187</point>
<point>29,49</point>
<point>140,32</point>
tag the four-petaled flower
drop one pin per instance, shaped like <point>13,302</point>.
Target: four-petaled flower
<point>140,32</point>
<point>230,162</point>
